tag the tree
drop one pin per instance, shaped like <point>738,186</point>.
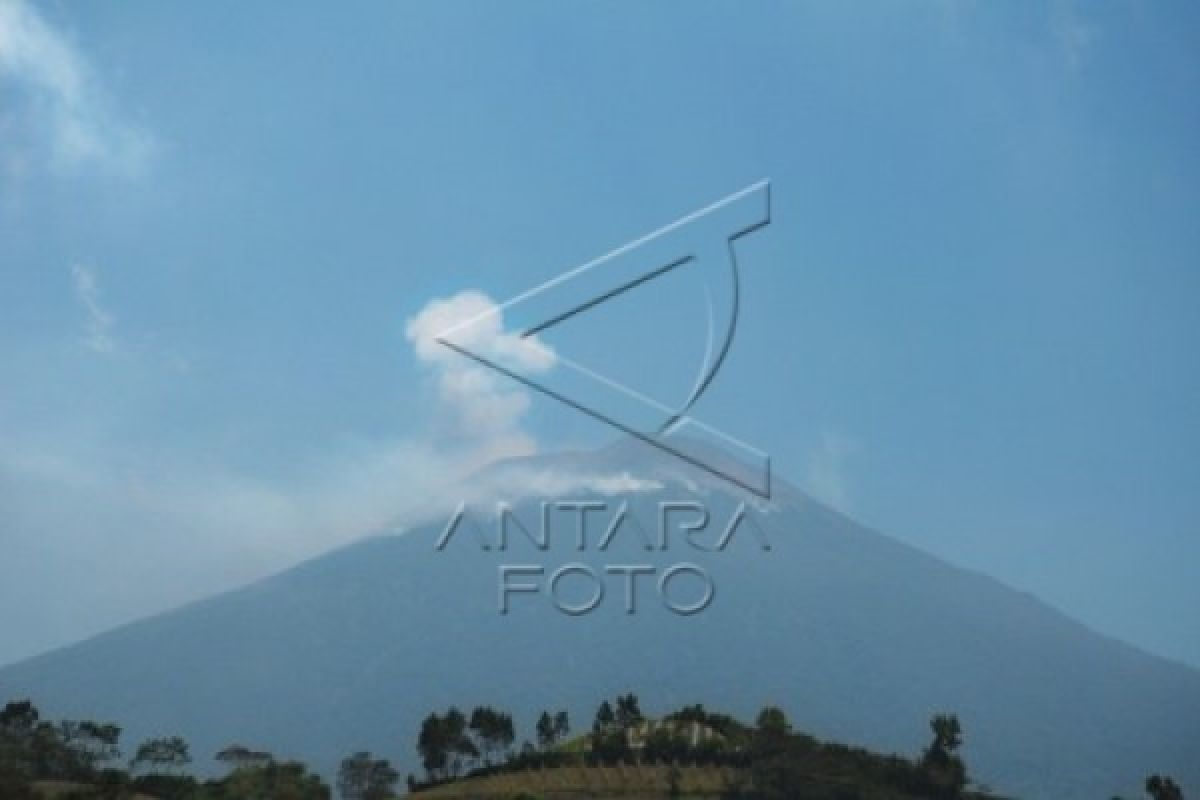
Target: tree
<point>771,733</point>
<point>562,725</point>
<point>241,757</point>
<point>947,733</point>
<point>32,748</point>
<point>163,760</point>
<point>165,754</point>
<point>459,745</point>
<point>604,718</point>
<point>505,733</point>
<point>482,723</point>
<point>546,733</point>
<point>1160,787</point>
<point>493,729</point>
<point>611,746</point>
<point>665,745</point>
<point>48,756</point>
<point>19,716</point>
<point>18,720</point>
<point>87,745</point>
<point>629,713</point>
<point>362,777</point>
<point>944,771</point>
<point>433,747</point>
<point>552,729</point>
<point>270,779</point>
<point>40,749</point>
<point>444,745</point>
<point>708,750</point>
<point>610,742</point>
<point>772,722</point>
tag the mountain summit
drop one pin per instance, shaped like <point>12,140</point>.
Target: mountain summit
<point>857,636</point>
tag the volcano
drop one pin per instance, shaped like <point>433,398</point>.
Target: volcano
<point>858,637</point>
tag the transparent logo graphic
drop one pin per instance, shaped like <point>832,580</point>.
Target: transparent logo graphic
<point>700,245</point>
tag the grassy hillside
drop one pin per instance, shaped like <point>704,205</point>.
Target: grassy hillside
<point>652,781</point>
<point>689,753</point>
<point>634,780</point>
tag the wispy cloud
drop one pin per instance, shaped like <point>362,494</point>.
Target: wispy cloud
<point>99,321</point>
<point>825,470</point>
<point>123,509</point>
<point>55,108</point>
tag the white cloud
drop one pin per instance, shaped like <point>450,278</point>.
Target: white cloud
<point>478,403</point>
<point>99,323</point>
<point>519,480</point>
<point>55,107</point>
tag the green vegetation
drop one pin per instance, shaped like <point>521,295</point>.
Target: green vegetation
<point>691,753</point>
<point>80,760</point>
<point>362,777</point>
<point>551,730</point>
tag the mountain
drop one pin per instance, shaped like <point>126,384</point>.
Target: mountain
<point>858,637</point>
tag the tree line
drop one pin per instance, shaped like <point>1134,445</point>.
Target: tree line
<point>770,761</point>
<point>770,758</point>
<point>83,759</point>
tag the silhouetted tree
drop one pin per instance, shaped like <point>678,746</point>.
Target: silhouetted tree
<point>604,718</point>
<point>1160,787</point>
<point>545,730</point>
<point>611,746</point>
<point>241,757</point>
<point>18,716</point>
<point>86,746</point>
<point>664,745</point>
<point>944,771</point>
<point>772,722</point>
<point>434,746</point>
<point>461,748</point>
<point>268,780</point>
<point>629,712</point>
<point>947,733</point>
<point>362,777</point>
<point>562,725</point>
<point>18,720</point>
<point>771,730</point>
<point>493,730</point>
<point>165,754</point>
<point>163,760</point>
<point>444,745</point>
<point>551,729</point>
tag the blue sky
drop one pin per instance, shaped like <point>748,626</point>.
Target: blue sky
<point>971,324</point>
